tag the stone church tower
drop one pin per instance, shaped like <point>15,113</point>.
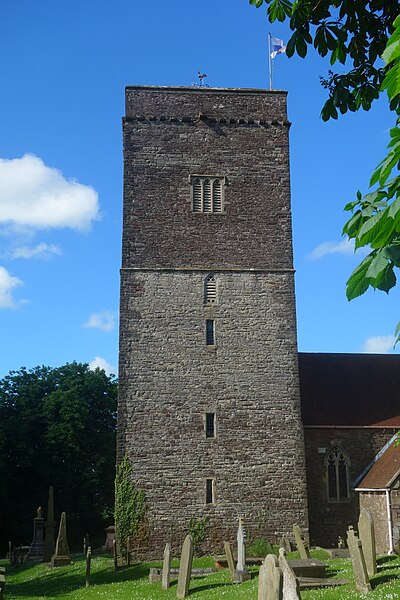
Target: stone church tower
<point>209,405</point>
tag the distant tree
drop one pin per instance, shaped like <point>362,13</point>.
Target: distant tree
<point>57,427</point>
<point>358,34</point>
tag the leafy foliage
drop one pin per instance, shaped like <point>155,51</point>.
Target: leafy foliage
<point>351,32</point>
<point>57,427</point>
<point>375,221</point>
<point>197,529</point>
<point>130,504</point>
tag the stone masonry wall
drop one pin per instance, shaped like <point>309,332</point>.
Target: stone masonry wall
<point>161,153</point>
<point>169,378</point>
<point>328,519</point>
<point>375,503</point>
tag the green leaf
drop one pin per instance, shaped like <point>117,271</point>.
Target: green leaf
<point>377,266</point>
<point>386,280</point>
<point>357,283</point>
<point>371,227</point>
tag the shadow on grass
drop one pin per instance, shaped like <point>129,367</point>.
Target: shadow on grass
<point>211,586</point>
<point>385,559</point>
<point>54,583</point>
<point>379,579</point>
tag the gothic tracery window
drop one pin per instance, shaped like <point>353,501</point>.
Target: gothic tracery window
<point>337,475</point>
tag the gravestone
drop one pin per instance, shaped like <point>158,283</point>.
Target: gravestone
<point>270,582</point>
<point>86,544</point>
<point>110,537</point>
<point>36,549</point>
<point>185,568</point>
<point>229,558</point>
<point>61,556</point>
<point>366,531</point>
<point>115,554</point>
<point>49,541</point>
<point>241,573</point>
<point>285,543</point>
<point>291,587</point>
<point>166,570</point>
<point>302,545</point>
<point>357,558</point>
<point>2,585</point>
<point>88,562</point>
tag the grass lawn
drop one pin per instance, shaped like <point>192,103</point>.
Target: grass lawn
<point>35,581</point>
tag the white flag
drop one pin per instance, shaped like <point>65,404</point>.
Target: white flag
<point>277,47</point>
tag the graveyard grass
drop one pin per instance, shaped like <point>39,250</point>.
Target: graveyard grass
<point>36,582</point>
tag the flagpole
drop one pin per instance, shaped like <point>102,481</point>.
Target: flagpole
<point>269,61</point>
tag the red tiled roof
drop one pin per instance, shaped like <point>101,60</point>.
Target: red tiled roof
<point>350,389</point>
<point>384,471</point>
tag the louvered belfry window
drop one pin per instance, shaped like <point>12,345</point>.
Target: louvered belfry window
<point>207,194</point>
<point>210,290</point>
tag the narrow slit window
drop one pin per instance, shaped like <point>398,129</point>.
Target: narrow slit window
<point>210,332</point>
<point>209,491</point>
<point>210,425</point>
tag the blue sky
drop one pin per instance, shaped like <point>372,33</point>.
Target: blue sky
<point>64,66</point>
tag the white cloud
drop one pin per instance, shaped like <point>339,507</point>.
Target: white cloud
<point>104,320</point>
<point>101,363</point>
<point>7,284</point>
<point>41,250</point>
<point>35,196</point>
<point>382,344</point>
<point>345,246</point>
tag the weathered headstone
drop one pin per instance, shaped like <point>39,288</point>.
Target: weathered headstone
<point>166,570</point>
<point>241,573</point>
<point>49,541</point>
<point>185,568</point>
<point>302,545</point>
<point>270,582</point>
<point>61,555</point>
<point>115,554</point>
<point>2,585</point>
<point>285,543</point>
<point>341,544</point>
<point>86,544</point>
<point>110,537</point>
<point>229,558</point>
<point>357,558</point>
<point>37,546</point>
<point>291,587</point>
<point>366,531</point>
<point>88,562</point>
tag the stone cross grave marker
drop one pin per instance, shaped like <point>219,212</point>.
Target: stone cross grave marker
<point>302,545</point>
<point>366,531</point>
<point>88,561</point>
<point>185,568</point>
<point>270,582</point>
<point>49,540</point>
<point>61,555</point>
<point>229,558</point>
<point>357,558</point>
<point>166,570</point>
<point>241,573</point>
<point>291,587</point>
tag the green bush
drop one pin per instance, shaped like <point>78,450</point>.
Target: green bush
<point>259,549</point>
<point>130,505</point>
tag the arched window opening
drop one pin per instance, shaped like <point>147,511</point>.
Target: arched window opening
<point>207,194</point>
<point>337,475</point>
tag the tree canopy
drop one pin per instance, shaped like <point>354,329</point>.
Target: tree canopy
<point>57,427</point>
<point>364,36</point>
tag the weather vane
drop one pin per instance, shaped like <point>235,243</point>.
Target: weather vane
<point>201,77</point>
